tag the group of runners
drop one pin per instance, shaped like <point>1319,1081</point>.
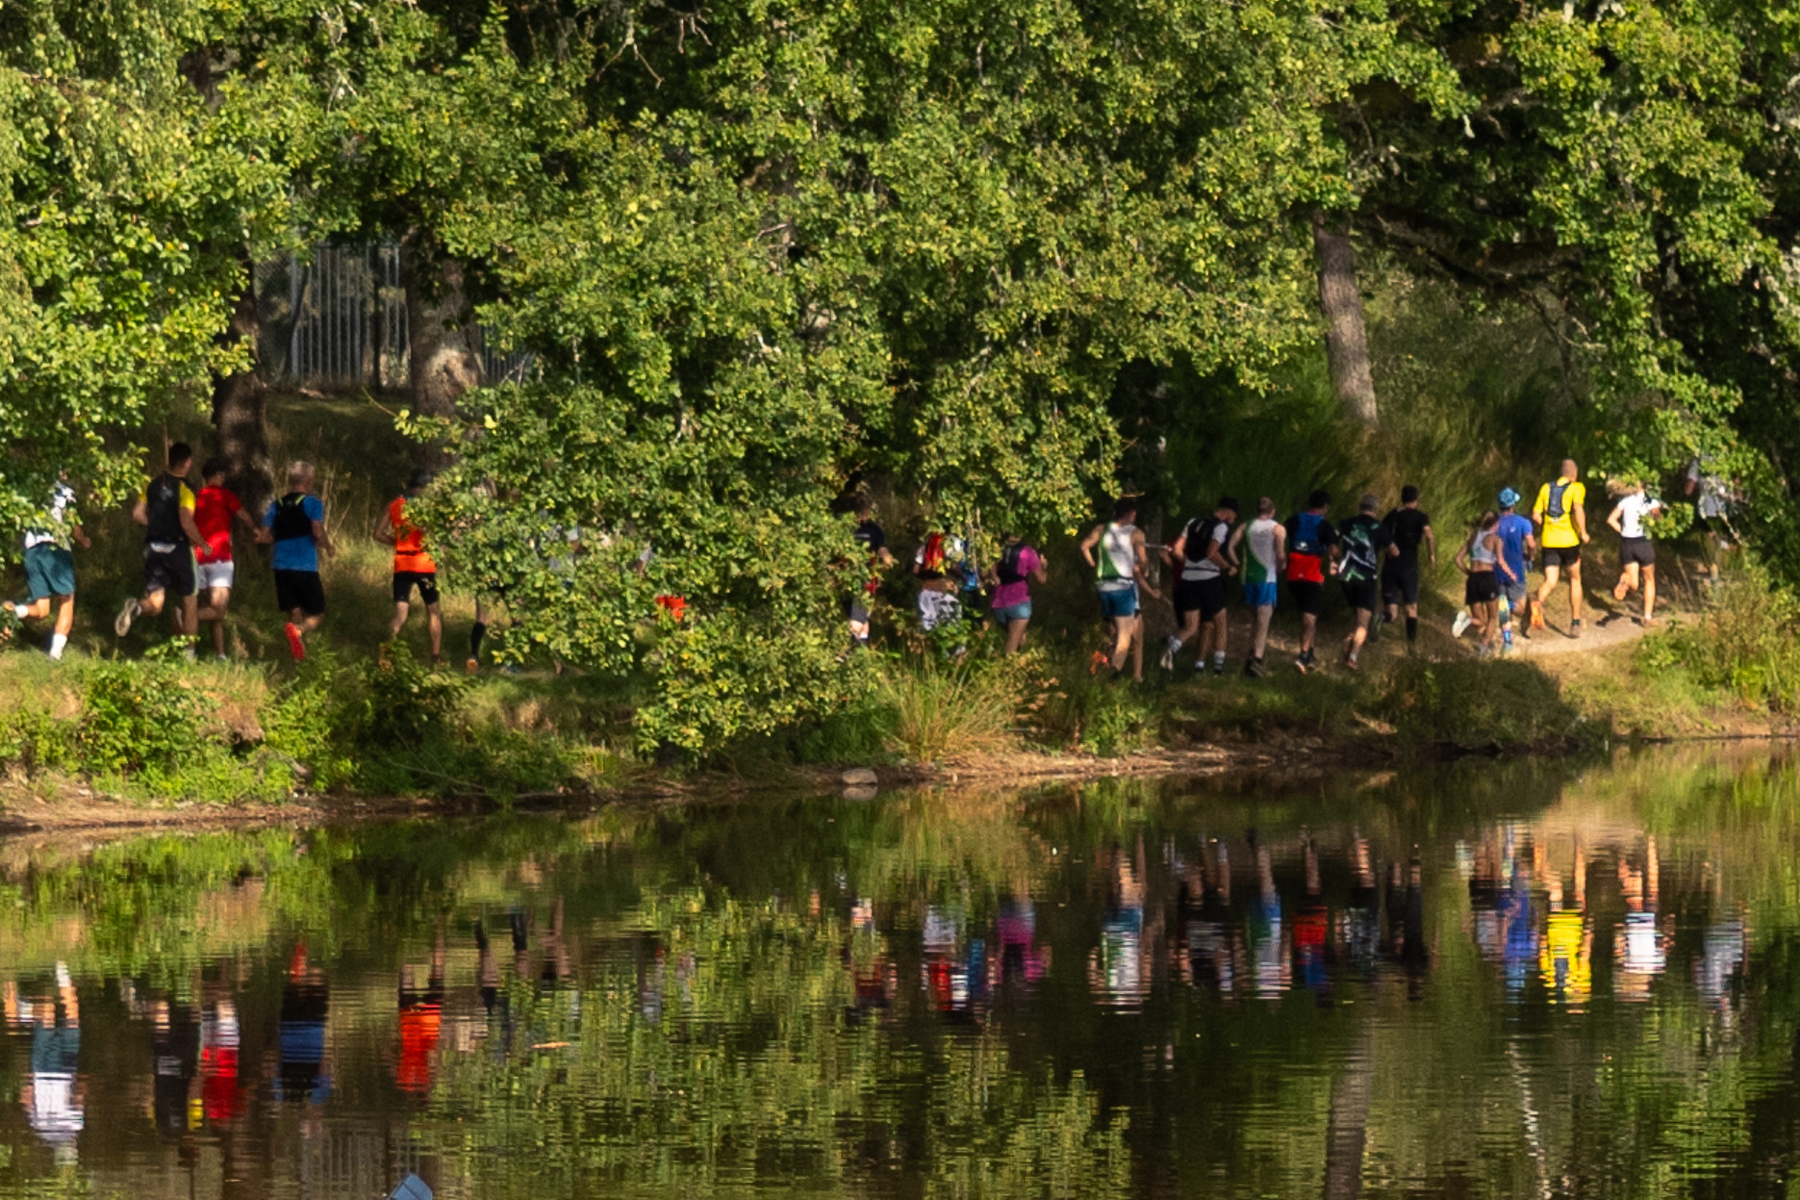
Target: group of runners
<point>189,567</point>
<point>1378,561</point>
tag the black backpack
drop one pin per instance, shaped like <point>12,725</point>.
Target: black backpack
<point>291,520</point>
<point>1007,569</point>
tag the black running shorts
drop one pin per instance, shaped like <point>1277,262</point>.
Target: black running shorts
<point>1309,598</point>
<point>171,571</point>
<point>426,581</point>
<point>1208,597</point>
<point>1360,593</point>
<point>1400,584</point>
<point>1639,550</point>
<point>300,589</point>
<point>1562,556</point>
<point>1483,586</point>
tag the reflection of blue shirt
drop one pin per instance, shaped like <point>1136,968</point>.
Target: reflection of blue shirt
<point>296,553</point>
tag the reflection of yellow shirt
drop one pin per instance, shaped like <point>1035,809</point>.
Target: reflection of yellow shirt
<point>1559,532</point>
<point>1564,964</point>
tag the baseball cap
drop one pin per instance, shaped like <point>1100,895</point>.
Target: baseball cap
<point>1507,497</point>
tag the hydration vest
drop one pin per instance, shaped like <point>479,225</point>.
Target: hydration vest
<point>1306,556</point>
<point>162,510</point>
<point>291,520</point>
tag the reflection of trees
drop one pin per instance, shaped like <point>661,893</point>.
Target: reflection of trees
<point>725,1054</point>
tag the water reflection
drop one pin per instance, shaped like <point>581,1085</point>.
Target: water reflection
<point>1408,988</point>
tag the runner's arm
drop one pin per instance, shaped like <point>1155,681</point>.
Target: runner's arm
<point>1042,572</point>
<point>1580,515</point>
<point>140,512</point>
<point>80,535</point>
<point>1616,517</point>
<point>1215,552</point>
<point>1140,561</point>
<point>189,527</point>
<point>1088,543</point>
<point>1430,544</point>
<point>1462,558</point>
<point>323,539</point>
<point>1175,550</point>
<point>1500,557</point>
<point>384,531</point>
<point>1280,548</point>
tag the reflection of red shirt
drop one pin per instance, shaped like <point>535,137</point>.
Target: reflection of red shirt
<point>419,1026</point>
<point>213,509</point>
<point>218,1082</point>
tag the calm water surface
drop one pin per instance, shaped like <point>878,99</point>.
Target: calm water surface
<point>1483,980</point>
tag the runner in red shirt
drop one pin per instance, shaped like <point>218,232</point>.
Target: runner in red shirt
<point>214,509</point>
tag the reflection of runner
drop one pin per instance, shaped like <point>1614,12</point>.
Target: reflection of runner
<point>219,1039</point>
<point>1117,969</point>
<point>305,1002</point>
<point>1310,946</point>
<point>421,1019</point>
<point>52,1100</point>
<point>1362,919</point>
<point>1567,962</point>
<point>1268,961</point>
<point>1639,945</point>
<point>173,1041</point>
<point>1016,930</point>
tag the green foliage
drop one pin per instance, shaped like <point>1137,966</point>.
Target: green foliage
<point>138,717</point>
<point>1742,641</point>
<point>948,710</point>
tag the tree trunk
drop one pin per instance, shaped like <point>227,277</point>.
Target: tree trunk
<point>1346,1129</point>
<point>440,334</point>
<point>1346,341</point>
<point>239,405</point>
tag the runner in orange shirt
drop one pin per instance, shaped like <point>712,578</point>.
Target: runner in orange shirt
<point>413,566</point>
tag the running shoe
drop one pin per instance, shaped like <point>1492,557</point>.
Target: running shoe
<point>1300,663</point>
<point>1350,663</point>
<point>1461,625</point>
<point>1575,627</point>
<point>1621,590</point>
<point>127,614</point>
<point>471,666</point>
<point>1219,666</point>
<point>296,647</point>
<point>1537,618</point>
<point>1167,661</point>
<point>1254,669</point>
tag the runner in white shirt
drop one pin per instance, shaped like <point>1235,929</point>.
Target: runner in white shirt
<point>1636,551</point>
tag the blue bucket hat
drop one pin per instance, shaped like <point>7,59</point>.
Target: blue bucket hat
<point>1507,497</point>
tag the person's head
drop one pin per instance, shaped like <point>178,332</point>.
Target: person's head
<point>1409,494</point>
<point>1265,508</point>
<point>300,476</point>
<point>181,457</point>
<point>862,508</point>
<point>1488,520</point>
<point>418,481</point>
<point>1369,503</point>
<point>1228,507</point>
<point>1125,509</point>
<point>1508,499</point>
<point>215,470</point>
<point>1568,469</point>
<point>1319,500</point>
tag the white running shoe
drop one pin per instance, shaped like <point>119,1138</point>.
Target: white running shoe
<point>1461,625</point>
<point>127,613</point>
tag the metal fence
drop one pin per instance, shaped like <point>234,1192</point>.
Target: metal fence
<point>337,320</point>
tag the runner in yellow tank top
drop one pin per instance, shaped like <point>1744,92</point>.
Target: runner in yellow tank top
<point>1562,532</point>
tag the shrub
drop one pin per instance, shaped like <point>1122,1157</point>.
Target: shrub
<point>1743,641</point>
<point>138,716</point>
<point>1472,703</point>
<point>943,710</point>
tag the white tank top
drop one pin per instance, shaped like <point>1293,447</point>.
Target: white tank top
<point>1260,537</point>
<point>1116,564</point>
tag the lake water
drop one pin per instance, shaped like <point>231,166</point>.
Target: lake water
<point>1488,979</point>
